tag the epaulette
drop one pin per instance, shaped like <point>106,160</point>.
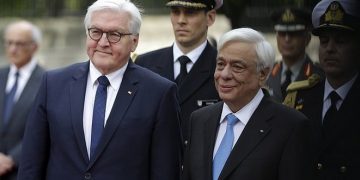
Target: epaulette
<point>293,88</point>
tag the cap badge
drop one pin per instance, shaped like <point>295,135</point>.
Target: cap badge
<point>288,16</point>
<point>334,13</point>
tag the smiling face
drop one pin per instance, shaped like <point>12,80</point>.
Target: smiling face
<point>236,77</point>
<point>190,25</point>
<point>338,54</point>
<point>109,57</point>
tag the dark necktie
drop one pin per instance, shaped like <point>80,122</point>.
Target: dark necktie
<point>98,113</point>
<point>183,71</point>
<point>329,121</point>
<point>9,100</point>
<point>225,147</point>
<point>286,83</point>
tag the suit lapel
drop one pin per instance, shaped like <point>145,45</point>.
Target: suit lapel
<point>211,126</point>
<point>256,129</point>
<point>199,73</point>
<point>77,91</point>
<point>123,100</point>
<point>3,79</point>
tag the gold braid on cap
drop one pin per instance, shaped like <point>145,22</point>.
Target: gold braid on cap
<point>186,4</point>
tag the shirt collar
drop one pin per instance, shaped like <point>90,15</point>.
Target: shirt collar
<point>193,55</point>
<point>115,77</point>
<point>295,69</point>
<point>245,113</point>
<point>341,91</point>
<point>25,70</point>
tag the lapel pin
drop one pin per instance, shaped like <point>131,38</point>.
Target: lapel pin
<point>261,130</point>
<point>129,92</point>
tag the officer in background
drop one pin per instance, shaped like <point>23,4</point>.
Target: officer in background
<point>191,60</point>
<point>293,34</point>
<point>333,103</point>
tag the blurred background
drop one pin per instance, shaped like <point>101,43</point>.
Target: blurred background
<point>61,22</point>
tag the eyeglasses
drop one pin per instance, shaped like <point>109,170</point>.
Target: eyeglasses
<point>112,36</point>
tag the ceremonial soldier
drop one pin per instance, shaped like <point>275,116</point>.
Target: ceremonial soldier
<point>332,103</point>
<point>292,26</point>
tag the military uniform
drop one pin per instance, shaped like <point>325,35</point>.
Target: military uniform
<point>336,149</point>
<point>291,24</point>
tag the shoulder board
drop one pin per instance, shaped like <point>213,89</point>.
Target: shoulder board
<point>304,84</point>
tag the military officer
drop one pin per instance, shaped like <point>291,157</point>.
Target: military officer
<point>292,26</point>
<point>332,103</point>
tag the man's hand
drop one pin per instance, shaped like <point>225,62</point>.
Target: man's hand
<point>6,164</point>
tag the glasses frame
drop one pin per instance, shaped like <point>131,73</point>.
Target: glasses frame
<point>107,34</point>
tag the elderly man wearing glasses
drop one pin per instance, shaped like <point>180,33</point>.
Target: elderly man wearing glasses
<point>106,118</point>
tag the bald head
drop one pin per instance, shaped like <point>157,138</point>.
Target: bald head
<point>22,39</point>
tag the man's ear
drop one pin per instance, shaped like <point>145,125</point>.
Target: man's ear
<point>210,16</point>
<point>263,74</point>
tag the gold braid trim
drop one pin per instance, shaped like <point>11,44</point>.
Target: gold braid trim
<point>186,4</point>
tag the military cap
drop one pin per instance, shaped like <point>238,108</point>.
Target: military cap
<point>341,14</point>
<point>291,19</point>
<point>196,4</point>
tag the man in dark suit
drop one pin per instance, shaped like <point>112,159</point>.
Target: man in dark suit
<point>19,84</point>
<point>247,136</point>
<point>106,118</point>
<point>190,21</point>
<point>293,34</point>
<point>332,104</point>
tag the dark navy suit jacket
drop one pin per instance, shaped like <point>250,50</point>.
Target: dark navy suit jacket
<point>197,90</point>
<point>141,139</point>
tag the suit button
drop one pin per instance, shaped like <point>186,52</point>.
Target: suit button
<point>186,142</point>
<point>342,169</point>
<point>319,166</point>
<point>87,176</point>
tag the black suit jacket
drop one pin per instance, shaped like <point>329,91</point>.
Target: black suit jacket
<point>337,157</point>
<point>11,134</point>
<point>274,145</point>
<point>274,80</point>
<point>197,90</point>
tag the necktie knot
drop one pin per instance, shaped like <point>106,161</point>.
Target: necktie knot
<point>231,119</point>
<point>288,73</point>
<point>103,80</point>
<point>183,60</point>
<point>334,97</point>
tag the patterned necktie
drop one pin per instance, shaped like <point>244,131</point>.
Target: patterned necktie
<point>183,71</point>
<point>329,121</point>
<point>10,100</point>
<point>225,147</point>
<point>98,113</point>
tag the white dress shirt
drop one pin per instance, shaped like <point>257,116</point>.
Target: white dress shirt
<point>295,70</point>
<point>244,114</point>
<point>342,91</point>
<point>24,75</point>
<point>192,55</point>
<point>115,79</point>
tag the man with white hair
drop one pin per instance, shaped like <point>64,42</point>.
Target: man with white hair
<point>19,84</point>
<point>247,136</point>
<point>106,118</point>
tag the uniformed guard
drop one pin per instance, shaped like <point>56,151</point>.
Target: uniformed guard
<point>332,103</point>
<point>292,26</point>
